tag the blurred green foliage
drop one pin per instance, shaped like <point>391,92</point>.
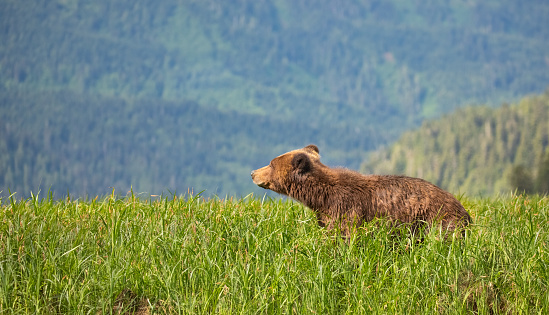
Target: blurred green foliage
<point>177,94</point>
<point>476,150</point>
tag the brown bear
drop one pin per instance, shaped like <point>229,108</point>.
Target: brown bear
<point>345,199</point>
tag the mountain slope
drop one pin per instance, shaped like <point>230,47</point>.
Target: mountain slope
<point>243,80</point>
<point>285,56</point>
<point>473,150</point>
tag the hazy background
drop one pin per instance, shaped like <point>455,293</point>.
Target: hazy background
<point>166,96</point>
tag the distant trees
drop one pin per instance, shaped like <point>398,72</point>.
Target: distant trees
<point>384,64</point>
<point>85,144</point>
<point>542,180</point>
<point>148,93</point>
<point>521,179</point>
<point>531,180</point>
<point>478,150</point>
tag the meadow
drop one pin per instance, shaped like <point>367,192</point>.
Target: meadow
<point>193,255</point>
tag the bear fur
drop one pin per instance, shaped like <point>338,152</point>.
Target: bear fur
<point>344,199</point>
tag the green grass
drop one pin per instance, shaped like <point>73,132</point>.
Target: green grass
<point>193,256</point>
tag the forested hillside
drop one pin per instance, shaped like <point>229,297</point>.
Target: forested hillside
<point>175,94</point>
<point>101,142</point>
<point>476,150</point>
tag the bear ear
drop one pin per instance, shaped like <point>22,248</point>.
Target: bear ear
<point>302,163</point>
<point>312,147</point>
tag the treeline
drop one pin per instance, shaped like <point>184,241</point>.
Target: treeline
<point>153,146</point>
<point>476,150</point>
<point>531,180</point>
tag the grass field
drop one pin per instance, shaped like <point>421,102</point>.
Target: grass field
<point>189,255</point>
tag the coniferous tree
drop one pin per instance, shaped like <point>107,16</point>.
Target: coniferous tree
<point>542,180</point>
<point>521,180</point>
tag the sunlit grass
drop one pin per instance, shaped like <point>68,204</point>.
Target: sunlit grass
<point>186,254</point>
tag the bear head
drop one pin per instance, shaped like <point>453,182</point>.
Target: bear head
<point>287,169</point>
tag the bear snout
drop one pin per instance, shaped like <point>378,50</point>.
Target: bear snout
<point>259,180</point>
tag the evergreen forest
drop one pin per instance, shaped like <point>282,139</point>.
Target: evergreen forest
<point>177,95</point>
<point>476,150</point>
